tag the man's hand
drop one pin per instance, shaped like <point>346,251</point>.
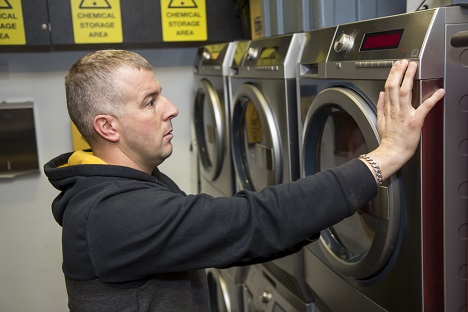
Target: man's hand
<point>398,123</point>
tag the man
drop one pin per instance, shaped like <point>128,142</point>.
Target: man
<point>132,241</point>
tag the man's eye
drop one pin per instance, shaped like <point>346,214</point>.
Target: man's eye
<point>150,103</point>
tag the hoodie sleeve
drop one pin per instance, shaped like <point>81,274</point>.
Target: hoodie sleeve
<point>136,231</point>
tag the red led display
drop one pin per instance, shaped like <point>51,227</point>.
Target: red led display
<point>382,40</point>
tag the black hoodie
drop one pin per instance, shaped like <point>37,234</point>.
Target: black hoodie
<point>123,228</point>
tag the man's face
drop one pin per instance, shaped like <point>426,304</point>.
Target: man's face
<point>145,128</point>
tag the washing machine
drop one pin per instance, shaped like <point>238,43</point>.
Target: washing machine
<point>265,152</point>
<point>211,118</point>
<point>226,288</point>
<point>211,142</point>
<point>406,249</point>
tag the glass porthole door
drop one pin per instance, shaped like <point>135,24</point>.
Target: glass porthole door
<point>255,140</point>
<point>209,129</point>
<point>340,125</point>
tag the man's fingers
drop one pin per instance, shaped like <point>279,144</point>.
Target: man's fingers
<point>407,84</point>
<point>380,111</point>
<point>387,85</point>
<point>392,86</point>
<point>428,104</point>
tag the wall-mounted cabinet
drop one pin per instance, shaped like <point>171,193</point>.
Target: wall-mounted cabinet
<point>90,24</point>
<point>18,146</point>
<point>24,24</point>
<point>36,22</point>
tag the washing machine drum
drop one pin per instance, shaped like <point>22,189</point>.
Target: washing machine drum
<point>256,144</point>
<point>340,125</point>
<point>209,125</point>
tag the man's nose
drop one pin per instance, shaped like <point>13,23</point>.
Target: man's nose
<point>172,109</point>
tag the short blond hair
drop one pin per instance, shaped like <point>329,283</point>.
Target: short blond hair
<point>91,87</point>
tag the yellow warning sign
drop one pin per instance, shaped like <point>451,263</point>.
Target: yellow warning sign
<point>96,21</point>
<point>11,23</point>
<point>184,20</point>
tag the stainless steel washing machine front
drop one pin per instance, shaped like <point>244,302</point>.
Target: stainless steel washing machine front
<point>265,144</point>
<point>226,289</point>
<point>405,250</point>
<point>263,117</point>
<point>211,132</point>
<point>263,293</point>
<point>211,118</point>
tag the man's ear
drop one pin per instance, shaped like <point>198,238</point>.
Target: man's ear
<point>104,125</point>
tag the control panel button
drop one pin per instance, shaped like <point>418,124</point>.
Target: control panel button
<point>206,55</point>
<point>343,44</point>
<point>266,296</point>
<point>252,53</point>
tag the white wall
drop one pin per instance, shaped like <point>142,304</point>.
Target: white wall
<point>30,240</point>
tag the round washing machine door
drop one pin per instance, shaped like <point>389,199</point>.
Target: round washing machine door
<point>209,129</point>
<point>256,144</point>
<point>341,125</point>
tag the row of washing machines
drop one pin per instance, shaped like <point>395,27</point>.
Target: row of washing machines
<point>272,110</point>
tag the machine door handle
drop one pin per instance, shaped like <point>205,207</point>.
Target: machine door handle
<point>460,39</point>
<point>264,157</point>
